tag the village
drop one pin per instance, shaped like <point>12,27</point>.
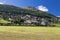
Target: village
<point>30,20</point>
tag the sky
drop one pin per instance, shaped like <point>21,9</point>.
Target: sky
<point>50,6</point>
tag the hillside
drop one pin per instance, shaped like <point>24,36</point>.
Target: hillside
<point>4,21</point>
<point>16,10</point>
<point>10,11</point>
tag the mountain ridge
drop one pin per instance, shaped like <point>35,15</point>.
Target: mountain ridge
<point>13,10</point>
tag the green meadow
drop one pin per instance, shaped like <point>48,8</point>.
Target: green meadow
<point>29,33</point>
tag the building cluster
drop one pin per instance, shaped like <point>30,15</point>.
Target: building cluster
<point>28,19</point>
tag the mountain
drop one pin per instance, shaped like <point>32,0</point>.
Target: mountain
<point>7,11</point>
<point>37,12</point>
<point>29,10</point>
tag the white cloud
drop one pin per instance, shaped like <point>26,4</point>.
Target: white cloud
<point>1,3</point>
<point>42,8</point>
<point>58,16</point>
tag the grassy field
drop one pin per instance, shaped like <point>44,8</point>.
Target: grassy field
<point>29,33</point>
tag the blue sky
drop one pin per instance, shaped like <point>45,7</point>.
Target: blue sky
<point>51,6</point>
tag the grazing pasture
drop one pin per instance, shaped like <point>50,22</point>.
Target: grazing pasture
<point>29,33</point>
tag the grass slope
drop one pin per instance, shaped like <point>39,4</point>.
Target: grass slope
<point>29,33</point>
<point>4,21</point>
